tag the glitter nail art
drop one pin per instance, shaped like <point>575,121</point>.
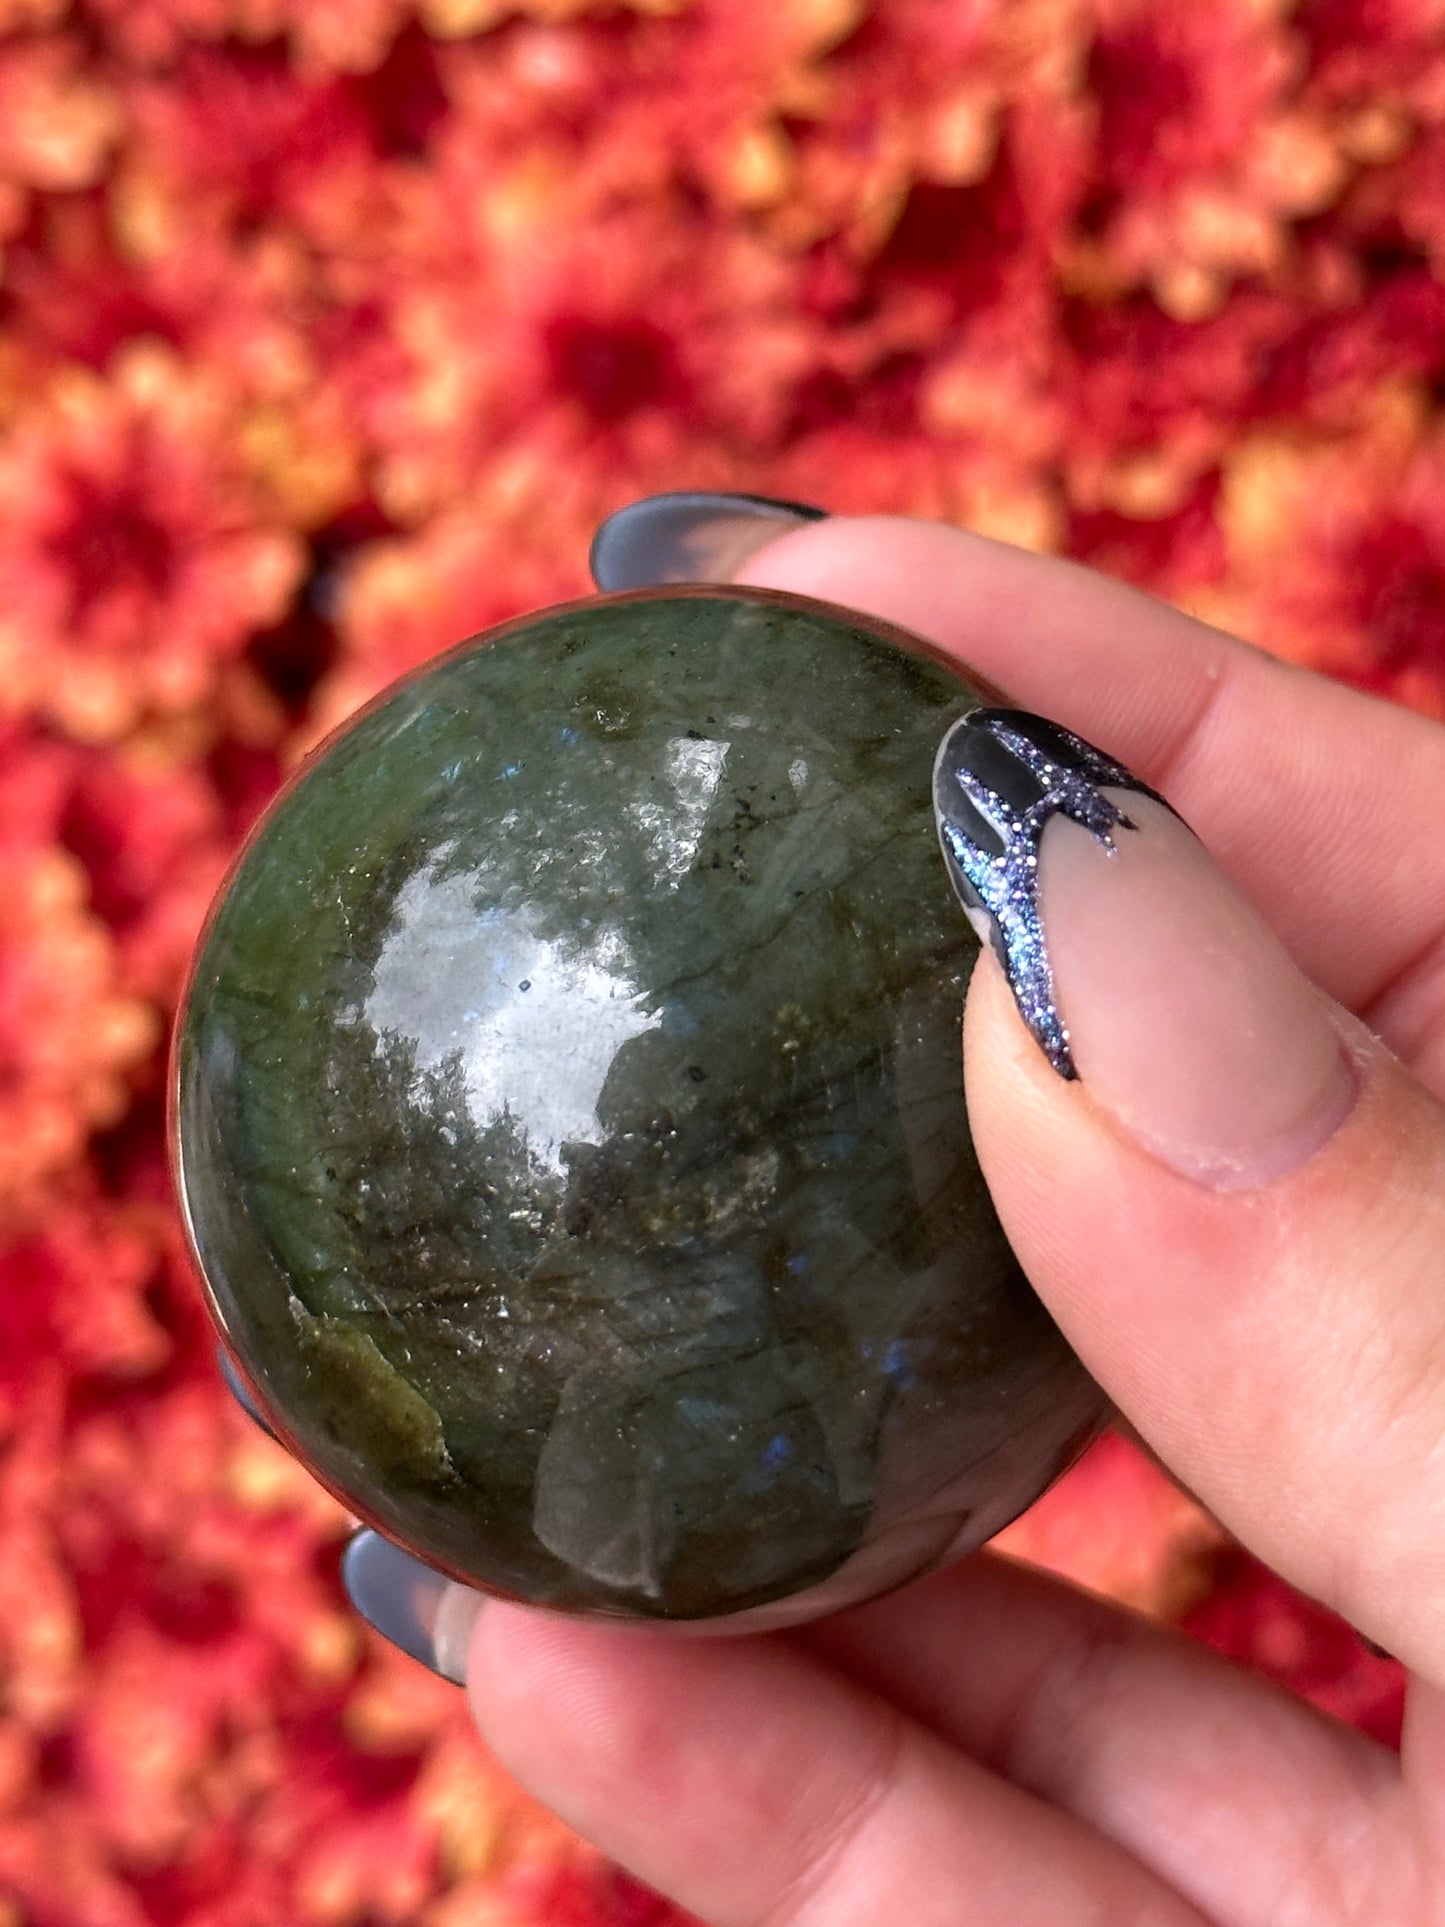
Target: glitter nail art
<point>1000,774</point>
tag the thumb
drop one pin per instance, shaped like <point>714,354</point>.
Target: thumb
<point>1230,1195</point>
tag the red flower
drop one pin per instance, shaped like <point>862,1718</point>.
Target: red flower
<point>1378,64</point>
<point>1254,1617</point>
<point>1336,551</point>
<point>640,342</point>
<point>325,36</point>
<point>1401,203</point>
<point>156,842</point>
<point>234,144</point>
<point>58,122</point>
<point>75,1292</point>
<point>429,286</point>
<point>136,551</point>
<point>403,601</point>
<point>69,1034</point>
<point>1205,151</point>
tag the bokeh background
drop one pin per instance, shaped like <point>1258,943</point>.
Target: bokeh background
<point>328,330</point>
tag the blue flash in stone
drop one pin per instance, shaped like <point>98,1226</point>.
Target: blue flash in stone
<point>1000,774</point>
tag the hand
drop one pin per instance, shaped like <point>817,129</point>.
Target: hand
<point>1237,1214</point>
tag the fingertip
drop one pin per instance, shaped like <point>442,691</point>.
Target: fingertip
<point>514,1662</point>
<point>707,1766</point>
<point>915,574</point>
<point>997,1046</point>
<point>577,1709</point>
<point>1278,1347</point>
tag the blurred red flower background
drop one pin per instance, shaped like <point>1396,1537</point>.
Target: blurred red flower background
<point>328,331</point>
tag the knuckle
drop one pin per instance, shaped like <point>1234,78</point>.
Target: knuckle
<point>840,1829</point>
<point>1046,1745</point>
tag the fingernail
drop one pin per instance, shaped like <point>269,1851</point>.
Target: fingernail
<point>239,1390</point>
<point>1136,964</point>
<point>689,536</point>
<point>429,1616</point>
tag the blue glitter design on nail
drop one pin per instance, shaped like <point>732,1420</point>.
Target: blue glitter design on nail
<point>1060,775</point>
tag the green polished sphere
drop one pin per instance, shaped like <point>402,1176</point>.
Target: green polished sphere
<point>571,1131</point>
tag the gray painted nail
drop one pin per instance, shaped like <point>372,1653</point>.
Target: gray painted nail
<point>428,1616</point>
<point>239,1391</point>
<point>689,536</point>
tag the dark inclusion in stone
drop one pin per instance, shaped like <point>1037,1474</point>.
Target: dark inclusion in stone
<point>571,1128</point>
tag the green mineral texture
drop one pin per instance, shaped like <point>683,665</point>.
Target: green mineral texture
<point>571,1123</point>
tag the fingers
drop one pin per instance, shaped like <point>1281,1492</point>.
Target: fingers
<point>1227,1192</point>
<point>423,1613</point>
<point>1312,797</point>
<point>1215,1779</point>
<point>754,1785</point>
<point>760,1788</point>
<point>1131,1728</point>
<point>1279,1346</point>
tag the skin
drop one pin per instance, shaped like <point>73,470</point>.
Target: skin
<point>989,1745</point>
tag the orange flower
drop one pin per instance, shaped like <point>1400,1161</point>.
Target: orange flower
<point>75,1291</point>
<point>41,1634</point>
<point>914,103</point>
<point>1205,151</point>
<point>58,121</point>
<point>1401,204</point>
<point>69,1035</point>
<point>1336,550</point>
<point>633,341</point>
<point>136,553</point>
<point>155,842</point>
<point>402,601</point>
<point>30,16</point>
<point>1152,402</point>
<point>234,144</point>
<point>1378,65</point>
<point>409,293</point>
<point>324,36</point>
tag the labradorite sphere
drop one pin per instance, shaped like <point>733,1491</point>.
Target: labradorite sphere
<point>571,1128</point>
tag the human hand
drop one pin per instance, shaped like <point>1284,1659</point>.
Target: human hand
<point>1236,1213</point>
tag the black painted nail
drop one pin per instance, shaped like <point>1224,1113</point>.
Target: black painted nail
<point>239,1390</point>
<point>688,536</point>
<point>428,1616</point>
<point>999,776</point>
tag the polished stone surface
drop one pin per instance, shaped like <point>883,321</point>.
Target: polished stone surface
<point>571,1129</point>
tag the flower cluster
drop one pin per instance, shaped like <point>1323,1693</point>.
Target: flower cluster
<point>328,330</point>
